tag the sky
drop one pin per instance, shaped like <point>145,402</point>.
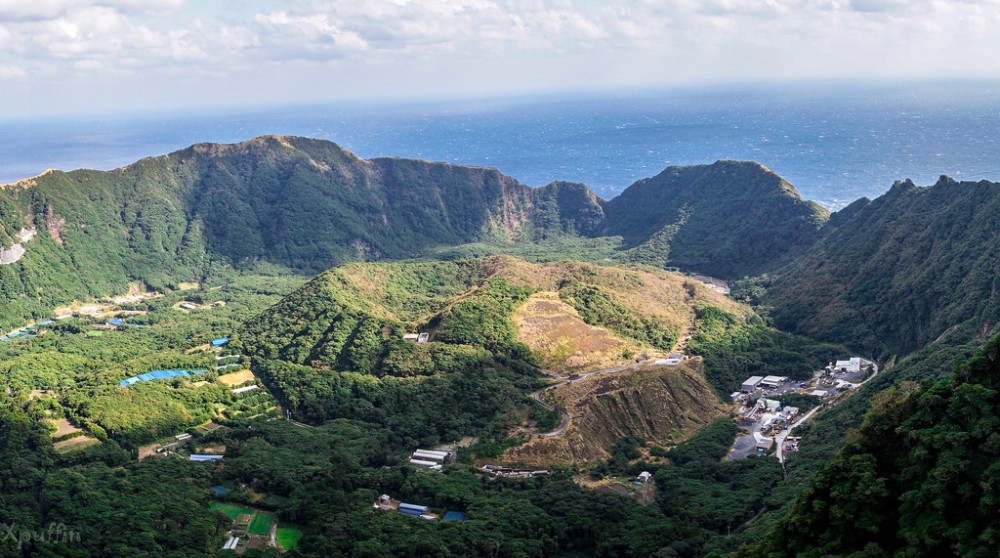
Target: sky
<point>62,57</point>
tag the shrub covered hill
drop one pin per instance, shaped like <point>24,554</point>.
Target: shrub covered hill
<point>308,205</point>
<point>894,274</point>
<point>339,340</point>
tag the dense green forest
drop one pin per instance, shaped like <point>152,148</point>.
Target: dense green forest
<point>221,241</point>
<point>917,478</point>
<point>894,274</point>
<point>727,219</point>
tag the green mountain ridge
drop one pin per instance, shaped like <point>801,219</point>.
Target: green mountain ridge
<point>910,278</point>
<point>894,274</point>
<point>308,205</point>
<point>728,219</point>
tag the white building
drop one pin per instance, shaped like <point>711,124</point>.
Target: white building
<point>773,381</point>
<point>430,455</point>
<point>645,477</point>
<point>850,365</point>
<point>751,384</point>
<point>673,360</point>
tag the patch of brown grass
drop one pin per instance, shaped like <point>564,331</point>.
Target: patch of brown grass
<point>561,341</point>
<point>237,378</point>
<point>63,428</point>
<point>75,444</point>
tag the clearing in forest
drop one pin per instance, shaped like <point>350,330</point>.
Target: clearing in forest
<point>288,537</point>
<point>63,428</point>
<point>563,342</point>
<point>237,378</point>
<point>75,444</point>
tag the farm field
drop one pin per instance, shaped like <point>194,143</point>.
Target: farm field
<point>237,378</point>
<point>75,444</point>
<point>63,428</point>
<point>231,510</point>
<point>261,523</point>
<point>288,537</point>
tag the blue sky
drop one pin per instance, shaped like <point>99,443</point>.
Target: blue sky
<point>83,56</point>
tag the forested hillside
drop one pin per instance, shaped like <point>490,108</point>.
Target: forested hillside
<point>727,219</point>
<point>917,479</point>
<point>893,274</point>
<point>307,205</point>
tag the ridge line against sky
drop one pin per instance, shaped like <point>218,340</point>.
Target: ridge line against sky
<point>85,56</point>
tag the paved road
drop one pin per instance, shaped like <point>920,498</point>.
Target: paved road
<point>780,438</point>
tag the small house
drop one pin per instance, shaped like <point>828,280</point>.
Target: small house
<point>220,342</point>
<point>764,445</point>
<point>644,477</point>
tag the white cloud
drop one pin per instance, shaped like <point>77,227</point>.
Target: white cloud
<point>436,45</point>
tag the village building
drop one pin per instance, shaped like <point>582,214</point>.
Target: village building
<point>751,384</point>
<point>852,365</point>
<point>673,360</point>
<point>772,381</point>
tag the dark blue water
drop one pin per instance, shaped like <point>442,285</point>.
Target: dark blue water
<point>833,145</point>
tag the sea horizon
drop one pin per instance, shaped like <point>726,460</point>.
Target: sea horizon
<point>834,145</point>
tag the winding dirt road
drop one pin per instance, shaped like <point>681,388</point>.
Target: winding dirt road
<point>563,380</point>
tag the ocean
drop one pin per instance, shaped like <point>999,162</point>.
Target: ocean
<point>834,144</point>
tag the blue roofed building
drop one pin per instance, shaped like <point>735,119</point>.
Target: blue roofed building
<point>159,375</point>
<point>414,510</point>
<point>454,516</point>
<point>220,342</point>
<point>202,457</point>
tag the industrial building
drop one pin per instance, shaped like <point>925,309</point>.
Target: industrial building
<point>771,382</point>
<point>751,384</point>
<point>851,365</point>
<point>426,464</point>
